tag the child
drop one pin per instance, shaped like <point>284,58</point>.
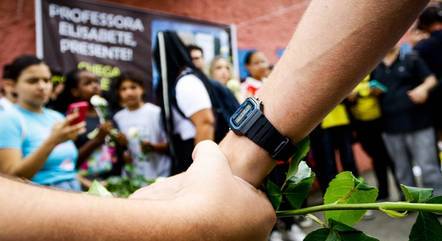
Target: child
<point>141,123</point>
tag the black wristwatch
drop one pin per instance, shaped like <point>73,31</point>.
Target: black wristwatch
<point>249,120</point>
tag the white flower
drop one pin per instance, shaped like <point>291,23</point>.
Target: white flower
<point>97,101</point>
<point>133,133</point>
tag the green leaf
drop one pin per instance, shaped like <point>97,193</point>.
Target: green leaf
<point>346,189</point>
<point>298,186</point>
<point>338,232</point>
<point>426,228</point>
<point>437,199</point>
<point>98,190</point>
<point>393,213</point>
<point>302,149</point>
<point>416,194</point>
<point>274,194</point>
<point>320,235</point>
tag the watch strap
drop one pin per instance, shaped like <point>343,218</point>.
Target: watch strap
<point>265,135</point>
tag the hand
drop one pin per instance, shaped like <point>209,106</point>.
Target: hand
<point>104,130</point>
<point>146,146</point>
<point>64,131</point>
<point>121,139</point>
<point>214,198</point>
<point>418,95</point>
<point>376,92</point>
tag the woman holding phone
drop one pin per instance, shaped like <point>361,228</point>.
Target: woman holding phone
<point>37,142</point>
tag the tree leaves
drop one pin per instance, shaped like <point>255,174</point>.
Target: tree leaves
<point>338,232</point>
<point>346,189</point>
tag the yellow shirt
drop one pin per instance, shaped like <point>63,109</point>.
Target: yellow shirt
<point>367,106</point>
<point>337,117</point>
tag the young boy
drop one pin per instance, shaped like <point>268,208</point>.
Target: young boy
<point>141,123</point>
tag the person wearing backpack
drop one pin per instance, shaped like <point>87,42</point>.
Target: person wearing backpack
<point>191,118</point>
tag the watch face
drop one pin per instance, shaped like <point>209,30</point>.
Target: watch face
<point>242,113</point>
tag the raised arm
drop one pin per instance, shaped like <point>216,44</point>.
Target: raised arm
<point>335,45</point>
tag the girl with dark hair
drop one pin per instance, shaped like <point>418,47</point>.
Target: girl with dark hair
<point>141,123</point>
<point>184,99</point>
<point>258,67</point>
<point>37,142</point>
<point>98,158</point>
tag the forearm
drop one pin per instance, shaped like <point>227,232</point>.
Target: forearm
<point>102,218</point>
<point>86,150</point>
<point>320,66</point>
<point>161,148</point>
<point>204,131</point>
<point>429,83</point>
<point>30,165</point>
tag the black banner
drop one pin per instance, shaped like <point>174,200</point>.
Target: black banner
<point>107,39</point>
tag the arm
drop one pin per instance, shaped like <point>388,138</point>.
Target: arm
<point>319,68</point>
<point>419,94</point>
<point>214,215</point>
<point>87,148</point>
<point>13,164</point>
<point>204,122</point>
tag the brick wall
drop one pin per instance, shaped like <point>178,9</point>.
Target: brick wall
<point>266,24</point>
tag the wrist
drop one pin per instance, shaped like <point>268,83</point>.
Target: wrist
<point>251,163</point>
<point>51,142</point>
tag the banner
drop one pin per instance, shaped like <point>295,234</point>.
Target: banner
<point>108,39</point>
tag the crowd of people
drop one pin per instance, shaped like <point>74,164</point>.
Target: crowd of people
<point>393,113</point>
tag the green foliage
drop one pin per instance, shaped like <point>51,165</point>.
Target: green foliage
<point>298,181</point>
<point>98,190</point>
<point>338,232</point>
<point>303,148</point>
<point>416,194</point>
<point>426,228</point>
<point>346,189</point>
<point>297,187</point>
<point>274,194</point>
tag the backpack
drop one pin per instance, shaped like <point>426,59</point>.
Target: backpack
<point>224,103</point>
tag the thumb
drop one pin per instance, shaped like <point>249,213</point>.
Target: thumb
<point>207,156</point>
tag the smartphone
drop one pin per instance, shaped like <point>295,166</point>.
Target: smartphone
<point>378,85</point>
<point>79,107</point>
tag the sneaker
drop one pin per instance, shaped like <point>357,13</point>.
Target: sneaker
<point>369,215</point>
<point>303,221</point>
<point>276,236</point>
<point>295,233</point>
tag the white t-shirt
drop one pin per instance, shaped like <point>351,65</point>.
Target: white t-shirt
<point>5,104</point>
<point>145,124</point>
<point>191,96</point>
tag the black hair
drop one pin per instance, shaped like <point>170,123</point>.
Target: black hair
<point>6,71</point>
<point>429,16</point>
<point>192,47</point>
<point>248,56</point>
<point>71,81</point>
<point>18,65</point>
<point>130,76</point>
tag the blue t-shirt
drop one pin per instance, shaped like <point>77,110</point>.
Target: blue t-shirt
<point>26,130</point>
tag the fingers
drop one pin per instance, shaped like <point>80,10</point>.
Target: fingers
<point>70,117</point>
<point>208,157</point>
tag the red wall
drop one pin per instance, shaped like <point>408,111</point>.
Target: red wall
<point>266,24</point>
